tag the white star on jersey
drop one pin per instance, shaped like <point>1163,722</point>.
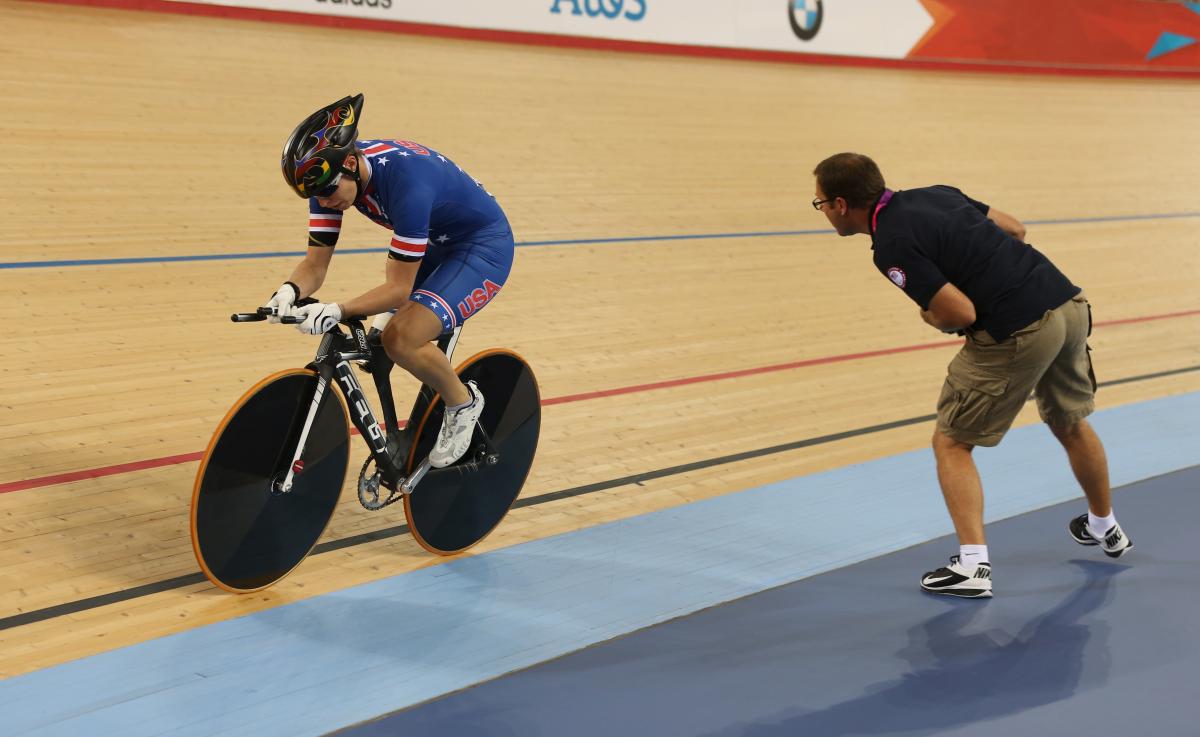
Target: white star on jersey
<point>382,161</point>
<point>442,238</point>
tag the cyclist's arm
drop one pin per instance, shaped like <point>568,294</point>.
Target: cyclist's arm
<point>324,226</point>
<point>391,294</point>
<point>309,274</point>
<point>410,208</point>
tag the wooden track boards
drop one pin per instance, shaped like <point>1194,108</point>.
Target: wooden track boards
<point>153,135</point>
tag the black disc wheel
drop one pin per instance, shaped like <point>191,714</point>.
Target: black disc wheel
<point>455,507</point>
<point>247,533</point>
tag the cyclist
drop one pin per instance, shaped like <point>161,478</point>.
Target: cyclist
<point>451,249</point>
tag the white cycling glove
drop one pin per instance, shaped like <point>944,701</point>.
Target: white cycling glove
<point>283,301</point>
<point>318,318</point>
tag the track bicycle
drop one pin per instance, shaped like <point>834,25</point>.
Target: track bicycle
<point>272,474</point>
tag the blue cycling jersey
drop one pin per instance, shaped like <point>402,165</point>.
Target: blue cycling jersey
<point>428,202</point>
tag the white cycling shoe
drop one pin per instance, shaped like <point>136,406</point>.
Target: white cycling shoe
<point>457,429</point>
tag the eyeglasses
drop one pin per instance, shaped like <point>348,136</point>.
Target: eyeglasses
<point>817,203</point>
<point>329,189</point>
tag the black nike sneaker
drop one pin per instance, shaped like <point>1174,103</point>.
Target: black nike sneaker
<point>1115,542</point>
<point>957,580</point>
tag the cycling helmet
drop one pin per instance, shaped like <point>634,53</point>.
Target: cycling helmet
<point>314,154</point>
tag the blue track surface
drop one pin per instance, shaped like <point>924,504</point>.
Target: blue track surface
<point>317,665</point>
<point>1073,643</point>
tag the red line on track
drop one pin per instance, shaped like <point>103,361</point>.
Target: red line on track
<point>1148,318</point>
<point>745,372</point>
<point>95,473</point>
<point>92,473</point>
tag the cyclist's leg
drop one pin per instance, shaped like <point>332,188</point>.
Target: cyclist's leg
<point>459,286</point>
<point>408,337</point>
<point>466,280</point>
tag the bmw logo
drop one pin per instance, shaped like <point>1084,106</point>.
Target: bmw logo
<point>806,16</point>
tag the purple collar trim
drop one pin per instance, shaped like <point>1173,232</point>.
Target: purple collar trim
<point>883,201</point>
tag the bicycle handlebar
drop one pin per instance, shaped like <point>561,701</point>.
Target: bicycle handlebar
<point>262,313</point>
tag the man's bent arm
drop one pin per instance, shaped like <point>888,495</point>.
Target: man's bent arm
<point>1007,223</point>
<point>950,309</point>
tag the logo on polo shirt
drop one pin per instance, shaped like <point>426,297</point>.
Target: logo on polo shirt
<point>806,17</point>
<point>896,274</point>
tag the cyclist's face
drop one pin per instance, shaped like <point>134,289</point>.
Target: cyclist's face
<point>343,195</point>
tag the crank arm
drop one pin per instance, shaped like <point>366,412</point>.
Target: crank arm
<point>409,485</point>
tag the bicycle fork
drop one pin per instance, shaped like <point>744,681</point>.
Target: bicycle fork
<point>360,414</point>
<point>296,466</point>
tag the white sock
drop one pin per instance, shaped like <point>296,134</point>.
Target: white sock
<point>1101,525</point>
<point>970,556</point>
<point>465,404</point>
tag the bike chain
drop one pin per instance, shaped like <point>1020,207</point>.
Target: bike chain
<point>370,489</point>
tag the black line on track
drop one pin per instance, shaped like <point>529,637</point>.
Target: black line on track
<point>95,602</point>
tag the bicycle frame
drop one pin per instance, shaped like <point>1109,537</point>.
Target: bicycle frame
<point>332,364</point>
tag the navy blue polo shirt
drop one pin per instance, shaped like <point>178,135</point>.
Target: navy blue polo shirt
<point>923,238</point>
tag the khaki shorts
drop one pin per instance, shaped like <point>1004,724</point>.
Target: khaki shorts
<point>988,382</point>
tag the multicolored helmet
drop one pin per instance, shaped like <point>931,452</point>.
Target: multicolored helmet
<point>314,154</point>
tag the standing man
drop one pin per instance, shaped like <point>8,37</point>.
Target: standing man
<point>968,268</point>
<point>450,252</point>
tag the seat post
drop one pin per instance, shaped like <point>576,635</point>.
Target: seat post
<point>447,342</point>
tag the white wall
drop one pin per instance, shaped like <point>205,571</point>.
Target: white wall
<point>873,28</point>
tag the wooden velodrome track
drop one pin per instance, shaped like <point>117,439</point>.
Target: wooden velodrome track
<point>135,134</point>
